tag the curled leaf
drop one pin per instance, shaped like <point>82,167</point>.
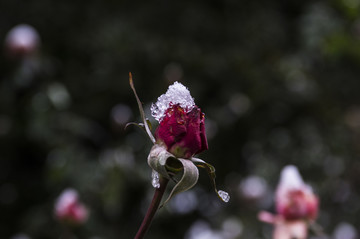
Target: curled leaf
<point>157,159</point>
<point>188,180</point>
<point>164,163</point>
<point>224,196</point>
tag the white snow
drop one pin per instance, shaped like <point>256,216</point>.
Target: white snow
<point>177,93</point>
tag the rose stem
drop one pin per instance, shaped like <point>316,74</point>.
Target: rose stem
<point>159,192</point>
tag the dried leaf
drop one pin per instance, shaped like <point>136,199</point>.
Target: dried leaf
<point>142,113</point>
<point>157,159</point>
<point>188,180</point>
<point>161,160</point>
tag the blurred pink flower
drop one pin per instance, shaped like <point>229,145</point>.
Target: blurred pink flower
<point>69,209</point>
<point>296,205</point>
<point>294,199</point>
<point>22,40</point>
<point>285,229</point>
<point>290,229</point>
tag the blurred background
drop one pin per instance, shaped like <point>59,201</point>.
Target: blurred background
<point>278,81</point>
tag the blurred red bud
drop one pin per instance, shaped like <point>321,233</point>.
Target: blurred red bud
<point>294,199</point>
<point>69,209</point>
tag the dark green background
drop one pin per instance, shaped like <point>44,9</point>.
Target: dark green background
<point>278,81</point>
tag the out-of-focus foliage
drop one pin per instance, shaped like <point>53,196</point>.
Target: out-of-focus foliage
<point>279,82</point>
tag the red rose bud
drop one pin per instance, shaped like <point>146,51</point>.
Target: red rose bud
<point>182,127</point>
<point>182,132</point>
<point>294,199</point>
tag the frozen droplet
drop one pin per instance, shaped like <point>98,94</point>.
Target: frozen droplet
<point>224,195</point>
<point>177,93</point>
<point>155,179</point>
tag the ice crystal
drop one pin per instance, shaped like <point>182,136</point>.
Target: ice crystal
<point>155,179</point>
<point>177,93</point>
<point>224,195</point>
